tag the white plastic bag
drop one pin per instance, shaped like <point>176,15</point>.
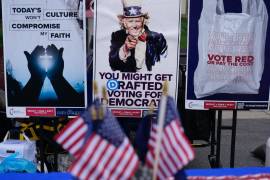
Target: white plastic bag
<point>72,3</point>
<point>24,149</point>
<point>231,49</point>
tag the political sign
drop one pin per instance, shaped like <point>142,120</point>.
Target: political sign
<point>228,60</point>
<point>45,57</point>
<point>136,49</point>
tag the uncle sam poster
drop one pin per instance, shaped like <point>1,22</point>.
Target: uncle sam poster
<point>45,57</point>
<point>136,49</point>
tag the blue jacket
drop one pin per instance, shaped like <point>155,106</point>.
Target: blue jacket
<point>156,46</point>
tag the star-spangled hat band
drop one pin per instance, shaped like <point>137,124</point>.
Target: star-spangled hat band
<point>133,11</point>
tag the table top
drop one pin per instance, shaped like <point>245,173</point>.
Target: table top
<point>190,172</point>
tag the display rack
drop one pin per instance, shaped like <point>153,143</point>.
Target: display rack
<point>215,142</point>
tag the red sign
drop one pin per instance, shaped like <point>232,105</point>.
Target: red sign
<point>219,105</point>
<point>127,113</point>
<point>40,111</point>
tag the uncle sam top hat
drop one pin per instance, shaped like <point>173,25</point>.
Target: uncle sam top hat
<point>132,8</point>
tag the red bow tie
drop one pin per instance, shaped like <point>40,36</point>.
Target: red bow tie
<point>143,37</point>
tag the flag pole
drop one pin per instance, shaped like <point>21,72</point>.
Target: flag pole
<point>104,96</point>
<point>151,109</point>
<point>92,109</point>
<point>161,119</point>
<point>103,103</point>
<point>95,88</point>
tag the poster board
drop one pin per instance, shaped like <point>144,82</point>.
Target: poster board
<point>45,57</point>
<point>241,101</point>
<point>134,81</point>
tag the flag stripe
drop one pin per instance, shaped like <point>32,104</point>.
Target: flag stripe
<point>160,169</point>
<point>65,131</point>
<point>71,137</point>
<point>94,160</point>
<point>107,153</point>
<point>83,171</point>
<point>175,149</point>
<point>182,142</point>
<point>171,166</point>
<point>68,129</point>
<point>151,143</point>
<point>163,164</point>
<point>112,167</point>
<point>187,144</point>
<point>130,171</point>
<point>133,166</point>
<point>83,155</point>
<point>76,147</point>
<point>124,160</point>
<point>106,170</point>
<point>99,163</point>
<point>172,143</point>
<point>170,153</point>
<point>130,162</point>
<point>106,159</point>
<point>92,165</point>
<point>167,148</point>
<point>74,137</point>
<point>161,173</point>
<point>77,151</point>
<point>88,149</point>
<point>180,150</point>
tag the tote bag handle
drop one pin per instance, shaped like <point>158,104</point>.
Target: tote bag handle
<point>211,7</point>
<point>250,7</point>
<point>7,136</point>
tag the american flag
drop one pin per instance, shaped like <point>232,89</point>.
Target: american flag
<point>107,154</point>
<point>72,136</point>
<point>175,150</point>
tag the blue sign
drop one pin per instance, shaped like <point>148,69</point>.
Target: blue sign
<point>228,53</point>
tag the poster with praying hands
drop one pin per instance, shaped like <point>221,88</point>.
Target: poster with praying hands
<point>45,57</point>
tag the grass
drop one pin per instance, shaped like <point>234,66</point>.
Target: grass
<point>1,35</point>
<point>183,42</point>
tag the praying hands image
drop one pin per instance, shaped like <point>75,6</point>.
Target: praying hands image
<point>47,63</point>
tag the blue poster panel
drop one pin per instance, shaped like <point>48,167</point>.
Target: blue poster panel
<point>228,54</point>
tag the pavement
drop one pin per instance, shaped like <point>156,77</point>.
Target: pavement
<point>253,130</point>
<point>247,115</point>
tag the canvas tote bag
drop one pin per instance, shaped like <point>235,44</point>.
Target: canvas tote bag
<point>25,149</point>
<point>231,48</point>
